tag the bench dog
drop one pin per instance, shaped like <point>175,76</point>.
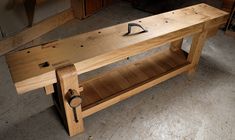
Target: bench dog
<point>56,65</point>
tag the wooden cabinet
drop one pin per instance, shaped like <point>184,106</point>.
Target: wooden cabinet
<point>87,8</point>
<point>92,6</point>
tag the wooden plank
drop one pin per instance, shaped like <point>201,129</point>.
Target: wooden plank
<point>110,84</point>
<point>29,34</point>
<point>68,80</point>
<point>139,89</point>
<point>98,48</point>
<point>134,88</point>
<point>90,97</point>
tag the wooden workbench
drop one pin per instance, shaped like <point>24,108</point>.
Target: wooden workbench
<point>61,61</point>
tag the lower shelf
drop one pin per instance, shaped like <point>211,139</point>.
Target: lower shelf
<point>119,84</point>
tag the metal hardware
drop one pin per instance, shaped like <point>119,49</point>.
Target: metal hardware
<point>130,25</point>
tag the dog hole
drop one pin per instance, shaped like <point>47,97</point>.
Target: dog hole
<point>99,32</point>
<point>28,51</point>
<point>44,65</point>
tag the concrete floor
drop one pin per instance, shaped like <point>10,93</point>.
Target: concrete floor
<point>200,109</point>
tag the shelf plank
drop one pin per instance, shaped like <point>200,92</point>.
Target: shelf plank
<point>121,81</point>
<point>35,67</point>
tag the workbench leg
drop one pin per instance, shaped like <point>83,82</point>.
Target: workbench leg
<point>68,99</point>
<point>176,45</point>
<point>195,50</point>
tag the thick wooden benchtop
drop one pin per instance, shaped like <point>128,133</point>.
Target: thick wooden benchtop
<point>35,67</point>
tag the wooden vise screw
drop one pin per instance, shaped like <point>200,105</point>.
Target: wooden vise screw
<point>74,100</point>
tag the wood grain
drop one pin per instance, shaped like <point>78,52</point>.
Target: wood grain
<point>29,34</point>
<point>98,48</point>
<point>196,49</point>
<point>176,45</point>
<point>124,82</point>
<point>67,79</point>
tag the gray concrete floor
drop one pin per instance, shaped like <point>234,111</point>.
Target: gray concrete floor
<point>201,108</point>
